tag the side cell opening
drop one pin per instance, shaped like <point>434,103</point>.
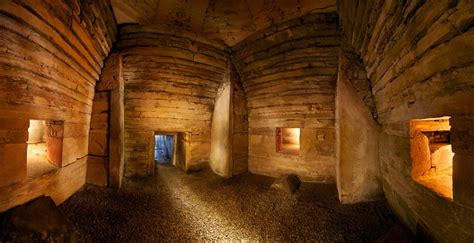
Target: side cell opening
<point>431,154</point>
<point>45,141</point>
<point>288,140</point>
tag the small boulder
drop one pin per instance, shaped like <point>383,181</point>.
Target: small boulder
<point>37,221</point>
<point>287,183</point>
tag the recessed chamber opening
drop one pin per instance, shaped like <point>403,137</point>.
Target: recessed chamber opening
<point>431,154</point>
<point>44,147</point>
<point>164,149</point>
<point>288,140</point>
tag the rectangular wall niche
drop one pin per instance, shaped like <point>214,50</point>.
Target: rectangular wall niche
<point>45,141</point>
<point>431,154</point>
<point>288,140</point>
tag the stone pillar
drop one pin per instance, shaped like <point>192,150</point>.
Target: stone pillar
<point>116,138</point>
<point>462,135</point>
<point>221,147</point>
<point>357,136</point>
<point>109,171</point>
<point>229,132</point>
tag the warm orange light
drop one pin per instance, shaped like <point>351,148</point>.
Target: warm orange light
<point>431,154</point>
<point>36,131</point>
<point>44,151</point>
<point>288,140</point>
<point>291,136</point>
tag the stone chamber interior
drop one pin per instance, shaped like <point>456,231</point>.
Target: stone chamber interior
<point>285,120</point>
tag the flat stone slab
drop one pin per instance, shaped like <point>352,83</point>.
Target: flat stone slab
<point>287,183</point>
<point>35,221</point>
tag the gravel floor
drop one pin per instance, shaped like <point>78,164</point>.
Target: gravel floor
<point>202,206</point>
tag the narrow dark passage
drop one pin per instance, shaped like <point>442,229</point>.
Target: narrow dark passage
<point>164,149</point>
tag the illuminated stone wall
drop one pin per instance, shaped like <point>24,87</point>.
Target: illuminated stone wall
<point>357,133</point>
<point>51,55</point>
<point>230,21</point>
<point>221,134</point>
<point>229,134</point>
<point>170,85</point>
<point>419,58</point>
<point>289,75</point>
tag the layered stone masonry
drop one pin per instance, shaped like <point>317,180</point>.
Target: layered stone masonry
<point>289,75</point>
<point>51,55</point>
<point>419,60</point>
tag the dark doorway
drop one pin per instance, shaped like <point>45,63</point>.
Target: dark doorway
<point>164,149</point>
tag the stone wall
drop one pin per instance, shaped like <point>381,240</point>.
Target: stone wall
<point>240,126</point>
<point>51,55</point>
<point>357,134</point>
<point>221,135</point>
<point>228,21</point>
<point>97,161</point>
<point>419,57</point>
<point>105,163</point>
<point>229,134</point>
<point>289,74</point>
<point>171,81</point>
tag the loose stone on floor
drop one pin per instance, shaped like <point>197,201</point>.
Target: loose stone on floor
<point>203,206</point>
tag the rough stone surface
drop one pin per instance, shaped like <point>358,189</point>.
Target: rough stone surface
<point>51,56</point>
<point>99,139</point>
<point>287,183</point>
<point>240,125</point>
<point>289,77</point>
<point>419,58</point>
<point>226,20</point>
<point>357,135</point>
<point>36,221</point>
<point>173,206</point>
<point>221,134</point>
<point>409,60</point>
<point>229,132</point>
<point>171,81</point>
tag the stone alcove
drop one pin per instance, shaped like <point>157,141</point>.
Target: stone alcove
<point>432,155</point>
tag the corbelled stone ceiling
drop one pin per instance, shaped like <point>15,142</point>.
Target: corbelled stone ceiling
<point>228,20</point>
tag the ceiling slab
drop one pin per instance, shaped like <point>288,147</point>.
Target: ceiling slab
<point>229,21</point>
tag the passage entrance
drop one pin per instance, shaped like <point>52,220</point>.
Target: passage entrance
<point>164,148</point>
